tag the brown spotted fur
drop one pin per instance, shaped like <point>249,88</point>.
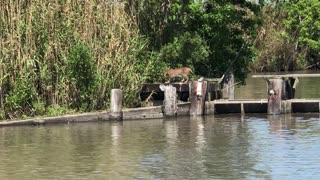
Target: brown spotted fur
<point>183,72</point>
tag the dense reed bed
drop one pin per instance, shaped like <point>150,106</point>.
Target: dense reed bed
<point>58,56</point>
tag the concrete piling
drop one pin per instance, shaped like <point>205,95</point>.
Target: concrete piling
<point>116,104</point>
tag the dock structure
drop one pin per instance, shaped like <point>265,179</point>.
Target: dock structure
<point>261,106</point>
<point>154,96</point>
<point>280,97</point>
<point>281,87</point>
<point>277,102</point>
<point>285,76</point>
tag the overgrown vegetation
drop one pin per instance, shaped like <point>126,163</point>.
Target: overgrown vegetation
<point>81,72</point>
<point>205,35</point>
<point>289,37</point>
<point>275,51</point>
<point>63,56</point>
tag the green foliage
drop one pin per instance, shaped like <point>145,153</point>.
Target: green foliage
<point>20,98</point>
<point>186,50</point>
<point>58,110</point>
<point>289,36</point>
<point>304,20</point>
<point>81,67</point>
<point>68,56</point>
<point>54,56</point>
<point>226,26</point>
<point>2,114</point>
<point>82,73</point>
<point>152,67</point>
<point>158,20</point>
<point>276,51</point>
<point>206,36</point>
<point>303,23</point>
<point>39,108</point>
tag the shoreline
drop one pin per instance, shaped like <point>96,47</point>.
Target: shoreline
<point>128,114</point>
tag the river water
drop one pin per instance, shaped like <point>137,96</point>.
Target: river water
<point>253,146</point>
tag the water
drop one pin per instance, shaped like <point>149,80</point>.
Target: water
<point>254,146</point>
<point>212,147</point>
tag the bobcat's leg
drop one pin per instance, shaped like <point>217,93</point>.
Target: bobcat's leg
<point>185,78</point>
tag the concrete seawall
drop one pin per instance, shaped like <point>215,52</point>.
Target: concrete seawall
<point>156,112</point>
<point>128,114</point>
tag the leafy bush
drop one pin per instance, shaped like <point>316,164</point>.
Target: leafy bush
<point>186,50</point>
<point>303,25</point>
<point>20,98</point>
<point>82,74</point>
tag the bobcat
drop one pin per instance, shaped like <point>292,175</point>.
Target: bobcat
<point>183,72</point>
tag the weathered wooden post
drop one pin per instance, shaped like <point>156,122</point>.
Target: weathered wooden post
<point>116,104</point>
<point>228,86</point>
<point>274,95</point>
<point>198,93</point>
<point>170,100</point>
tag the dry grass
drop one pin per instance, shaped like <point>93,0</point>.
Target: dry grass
<point>35,38</point>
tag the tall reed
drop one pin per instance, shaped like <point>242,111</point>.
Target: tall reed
<point>36,38</point>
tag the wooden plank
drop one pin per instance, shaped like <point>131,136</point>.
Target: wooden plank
<point>304,100</point>
<point>180,87</point>
<point>214,80</point>
<point>240,101</point>
<point>285,75</point>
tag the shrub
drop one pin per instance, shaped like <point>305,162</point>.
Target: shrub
<point>82,74</point>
